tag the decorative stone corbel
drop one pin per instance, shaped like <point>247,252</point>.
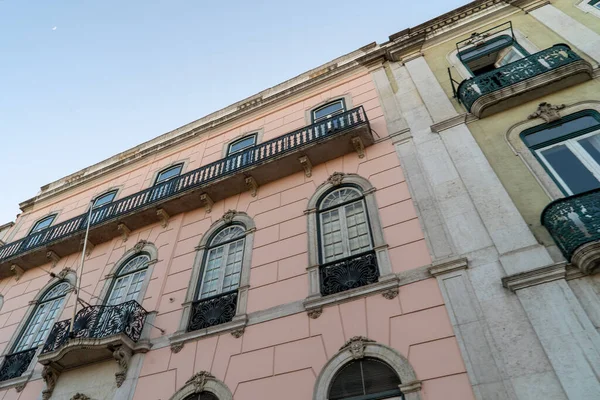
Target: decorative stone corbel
<point>251,185</point>
<point>176,347</point>
<point>140,245</point>
<point>80,396</point>
<point>89,247</point>
<point>336,178</point>
<point>19,388</point>
<point>315,313</point>
<point>547,112</point>
<point>125,231</point>
<point>164,217</point>
<point>410,387</point>
<point>307,165</point>
<point>228,216</point>
<point>359,146</point>
<point>18,271</point>
<point>390,294</point>
<point>356,346</point>
<point>199,380</point>
<point>237,333</point>
<point>64,272</point>
<point>50,376</point>
<point>207,201</point>
<point>52,257</point>
<point>122,356</point>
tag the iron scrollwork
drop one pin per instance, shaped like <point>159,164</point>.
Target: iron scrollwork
<point>556,56</point>
<point>16,364</point>
<point>573,221</point>
<point>97,322</point>
<point>349,273</point>
<point>213,311</point>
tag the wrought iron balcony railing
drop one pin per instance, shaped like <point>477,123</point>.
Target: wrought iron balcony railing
<point>267,151</point>
<point>556,56</point>
<point>97,322</point>
<point>214,310</point>
<point>349,273</point>
<point>16,364</point>
<point>573,221</point>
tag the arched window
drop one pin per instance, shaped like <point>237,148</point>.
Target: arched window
<point>223,264</point>
<point>365,379</point>
<point>43,317</point>
<point>129,279</point>
<point>343,224</point>
<point>202,396</point>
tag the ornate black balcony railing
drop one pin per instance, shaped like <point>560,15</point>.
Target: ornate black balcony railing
<point>573,221</point>
<point>214,310</point>
<point>16,364</point>
<point>97,322</point>
<point>349,273</point>
<point>556,56</point>
<point>230,165</point>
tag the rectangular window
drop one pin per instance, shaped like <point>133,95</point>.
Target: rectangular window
<point>42,223</point>
<point>496,52</point>
<point>328,110</point>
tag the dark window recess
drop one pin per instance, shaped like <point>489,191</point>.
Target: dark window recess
<point>241,144</point>
<point>366,379</point>
<point>328,110</point>
<point>168,173</point>
<point>104,199</point>
<point>42,223</point>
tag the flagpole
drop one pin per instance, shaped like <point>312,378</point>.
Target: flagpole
<point>80,275</point>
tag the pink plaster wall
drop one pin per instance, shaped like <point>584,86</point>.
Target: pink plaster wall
<point>281,357</point>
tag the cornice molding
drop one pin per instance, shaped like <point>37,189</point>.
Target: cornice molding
<point>535,277</point>
<point>460,119</point>
<point>448,265</point>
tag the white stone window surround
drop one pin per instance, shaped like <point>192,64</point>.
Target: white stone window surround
<point>452,57</point>
<point>521,150</point>
<point>387,278</point>
<point>586,7</point>
<point>70,277</point>
<point>142,247</point>
<point>49,214</point>
<point>184,167</point>
<point>348,103</point>
<point>203,382</point>
<point>359,347</point>
<point>259,138</point>
<point>240,320</point>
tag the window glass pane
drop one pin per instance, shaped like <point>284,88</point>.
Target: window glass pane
<point>509,56</point>
<point>358,231</point>
<point>487,47</point>
<point>242,144</point>
<point>135,285</point>
<point>43,223</point>
<point>585,122</point>
<point>331,235</point>
<point>138,262</point>
<point>169,173</point>
<point>591,144</point>
<point>233,268</point>
<point>340,196</point>
<point>227,234</point>
<point>570,169</point>
<point>328,110</point>
<point>104,199</point>
<point>210,282</point>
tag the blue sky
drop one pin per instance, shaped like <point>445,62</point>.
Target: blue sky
<point>83,80</point>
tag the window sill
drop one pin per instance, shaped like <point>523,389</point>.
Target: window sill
<point>387,285</point>
<point>18,381</point>
<point>236,327</point>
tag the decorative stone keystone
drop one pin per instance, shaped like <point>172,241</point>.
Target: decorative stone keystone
<point>251,185</point>
<point>140,245</point>
<point>125,231</point>
<point>228,216</point>
<point>307,165</point>
<point>199,380</point>
<point>50,376</point>
<point>547,112</point>
<point>122,355</point>
<point>207,201</point>
<point>164,217</point>
<point>336,178</point>
<point>53,257</point>
<point>359,146</point>
<point>80,396</point>
<point>64,272</point>
<point>356,346</point>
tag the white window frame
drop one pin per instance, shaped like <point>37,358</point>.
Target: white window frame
<point>113,192</point>
<point>178,165</point>
<point>34,226</point>
<point>586,7</point>
<point>119,278</point>
<point>254,136</point>
<point>314,110</point>
<point>578,151</point>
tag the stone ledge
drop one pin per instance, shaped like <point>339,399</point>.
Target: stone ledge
<point>448,265</point>
<point>20,380</point>
<point>460,119</point>
<point>535,277</point>
<point>239,322</point>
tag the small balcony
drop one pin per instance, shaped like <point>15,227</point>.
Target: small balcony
<point>97,332</point>
<point>213,311</point>
<point>16,364</point>
<point>348,273</point>
<point>574,223</point>
<point>523,80</point>
<point>266,162</point>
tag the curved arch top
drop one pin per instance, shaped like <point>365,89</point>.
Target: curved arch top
<point>229,218</point>
<point>358,348</point>
<point>203,382</point>
<point>336,179</point>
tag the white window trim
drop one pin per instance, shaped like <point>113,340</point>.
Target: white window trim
<point>586,7</point>
<point>111,278</point>
<point>185,162</point>
<point>259,138</point>
<point>308,113</point>
<point>520,149</point>
<point>120,277</point>
<point>116,191</point>
<point>223,266</point>
<point>241,318</point>
<point>55,214</point>
<point>578,151</point>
